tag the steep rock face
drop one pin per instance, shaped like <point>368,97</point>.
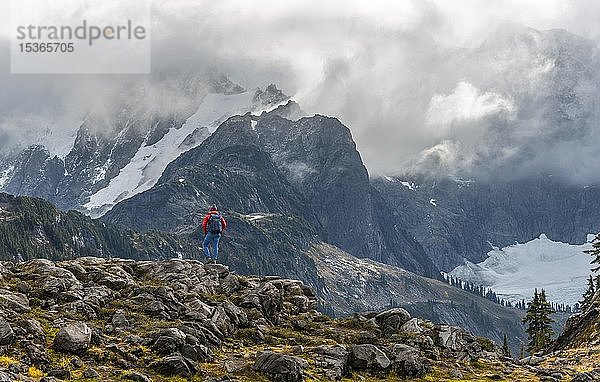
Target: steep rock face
<point>242,179</point>
<point>456,219</point>
<point>319,157</point>
<point>103,146</point>
<point>307,168</point>
<point>33,172</point>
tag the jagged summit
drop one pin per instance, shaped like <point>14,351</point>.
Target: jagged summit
<point>270,96</point>
<point>221,84</point>
<point>121,149</point>
<point>290,110</point>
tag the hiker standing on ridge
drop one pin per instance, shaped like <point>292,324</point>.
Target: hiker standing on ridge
<point>212,225</point>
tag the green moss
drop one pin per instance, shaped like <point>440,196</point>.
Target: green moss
<point>404,337</point>
<point>353,323</point>
<point>486,343</point>
<point>247,336</point>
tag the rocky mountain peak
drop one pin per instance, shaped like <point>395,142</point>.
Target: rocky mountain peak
<point>291,110</point>
<point>223,85</point>
<point>270,96</point>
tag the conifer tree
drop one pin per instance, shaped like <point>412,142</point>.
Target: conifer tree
<point>588,296</point>
<point>505,348</point>
<point>538,322</point>
<point>595,253</point>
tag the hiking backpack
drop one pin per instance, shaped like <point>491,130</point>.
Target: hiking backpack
<point>214,223</point>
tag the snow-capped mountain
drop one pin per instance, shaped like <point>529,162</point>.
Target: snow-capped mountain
<point>148,163</point>
<point>122,150</point>
<point>515,271</point>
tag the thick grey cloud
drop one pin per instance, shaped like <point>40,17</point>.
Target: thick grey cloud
<point>455,87</point>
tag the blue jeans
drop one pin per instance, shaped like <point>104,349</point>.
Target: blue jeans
<point>214,239</point>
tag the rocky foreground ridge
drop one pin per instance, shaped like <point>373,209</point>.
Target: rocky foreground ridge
<point>125,320</point>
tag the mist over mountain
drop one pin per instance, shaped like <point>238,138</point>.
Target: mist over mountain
<point>432,89</point>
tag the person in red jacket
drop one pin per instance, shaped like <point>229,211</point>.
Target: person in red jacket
<point>213,226</point>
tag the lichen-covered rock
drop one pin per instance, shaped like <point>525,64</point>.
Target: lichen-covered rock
<point>369,356</point>
<point>174,365</point>
<point>449,337</point>
<point>280,367</point>
<point>7,335</point>
<point>414,325</point>
<point>271,302</point>
<point>587,376</point>
<point>14,301</point>
<point>90,373</point>
<point>119,320</point>
<point>136,377</point>
<point>167,341</point>
<point>334,360</point>
<point>407,361</point>
<point>391,320</point>
<point>238,317</point>
<point>222,321</point>
<point>7,377</point>
<point>73,338</point>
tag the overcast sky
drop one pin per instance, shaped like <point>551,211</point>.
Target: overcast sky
<point>435,85</point>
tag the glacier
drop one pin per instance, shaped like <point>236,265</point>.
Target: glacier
<point>515,271</point>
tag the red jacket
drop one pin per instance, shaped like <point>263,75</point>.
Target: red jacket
<point>205,221</point>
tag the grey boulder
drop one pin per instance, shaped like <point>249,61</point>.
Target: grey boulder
<point>391,320</point>
<point>7,335</point>
<point>280,367</point>
<point>368,357</point>
<point>73,338</point>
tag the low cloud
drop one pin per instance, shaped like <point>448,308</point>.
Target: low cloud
<point>461,87</point>
<point>465,104</point>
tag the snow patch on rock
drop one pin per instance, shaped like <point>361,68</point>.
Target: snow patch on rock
<point>5,175</point>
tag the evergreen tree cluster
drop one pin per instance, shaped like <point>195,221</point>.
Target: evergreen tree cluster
<point>538,322</point>
<point>489,294</point>
<point>32,228</point>
<point>563,308</point>
<point>593,287</point>
<point>479,290</point>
